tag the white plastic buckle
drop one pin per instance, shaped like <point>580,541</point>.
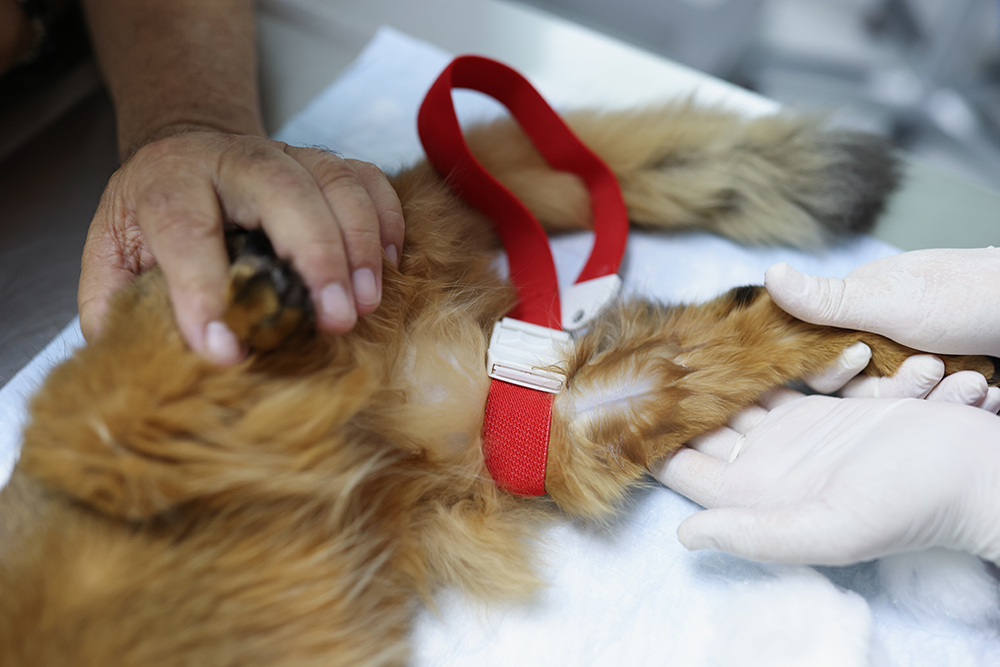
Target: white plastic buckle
<point>584,301</point>
<point>520,352</point>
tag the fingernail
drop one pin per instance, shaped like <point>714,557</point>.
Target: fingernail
<point>793,282</point>
<point>365,288</point>
<point>221,344</point>
<point>698,542</point>
<point>992,401</point>
<point>335,304</point>
<point>925,370</point>
<point>857,355</point>
<point>392,254</point>
<point>972,389</point>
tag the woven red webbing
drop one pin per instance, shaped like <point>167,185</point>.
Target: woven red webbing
<point>516,437</point>
<point>531,267</point>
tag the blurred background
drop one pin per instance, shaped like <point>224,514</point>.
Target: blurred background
<point>924,72</point>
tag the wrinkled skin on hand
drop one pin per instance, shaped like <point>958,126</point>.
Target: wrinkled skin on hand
<point>332,218</point>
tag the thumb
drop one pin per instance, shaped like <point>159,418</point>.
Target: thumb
<point>811,298</point>
<point>779,536</point>
<point>892,304</point>
<point>100,278</point>
<point>883,304</point>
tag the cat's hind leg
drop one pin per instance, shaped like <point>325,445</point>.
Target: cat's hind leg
<point>648,378</point>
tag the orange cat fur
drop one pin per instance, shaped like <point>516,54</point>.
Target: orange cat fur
<point>294,509</point>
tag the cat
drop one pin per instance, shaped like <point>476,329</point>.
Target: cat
<point>295,509</point>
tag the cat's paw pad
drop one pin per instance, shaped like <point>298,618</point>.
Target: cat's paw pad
<point>267,301</point>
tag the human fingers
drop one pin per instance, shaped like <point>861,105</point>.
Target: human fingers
<point>778,397</point>
<point>735,530</point>
<point>392,227</point>
<point>851,361</point>
<point>747,418</point>
<point>718,444</point>
<point>886,304</point>
<point>111,260</point>
<point>356,215</point>
<point>99,279</point>
<point>930,300</point>
<point>261,186</point>
<point>964,387</point>
<point>753,416</point>
<point>778,536</point>
<point>727,443</point>
<point>991,402</point>
<point>177,210</point>
<point>692,474</point>
<point>914,378</point>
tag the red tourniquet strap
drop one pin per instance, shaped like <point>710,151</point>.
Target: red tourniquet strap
<point>518,419</point>
<point>531,267</point>
<point>516,437</point>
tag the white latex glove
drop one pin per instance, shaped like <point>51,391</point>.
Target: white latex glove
<point>920,376</point>
<point>831,481</point>
<point>933,300</point>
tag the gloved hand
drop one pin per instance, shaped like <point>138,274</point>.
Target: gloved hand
<point>920,376</point>
<point>933,300</point>
<point>831,481</point>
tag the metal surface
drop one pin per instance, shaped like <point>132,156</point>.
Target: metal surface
<point>49,189</point>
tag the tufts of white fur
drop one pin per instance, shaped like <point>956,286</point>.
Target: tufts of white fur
<point>443,372</point>
<point>619,395</point>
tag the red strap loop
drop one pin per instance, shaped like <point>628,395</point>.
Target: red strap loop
<point>517,422</point>
<point>531,267</point>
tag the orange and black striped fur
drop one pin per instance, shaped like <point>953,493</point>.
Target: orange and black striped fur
<point>294,509</point>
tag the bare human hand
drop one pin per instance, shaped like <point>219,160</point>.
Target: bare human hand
<point>168,204</point>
